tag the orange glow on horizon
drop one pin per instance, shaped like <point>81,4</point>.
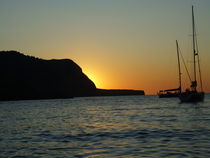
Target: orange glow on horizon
<point>93,77</point>
<point>150,85</point>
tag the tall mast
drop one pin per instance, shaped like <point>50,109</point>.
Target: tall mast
<point>194,83</point>
<point>180,81</point>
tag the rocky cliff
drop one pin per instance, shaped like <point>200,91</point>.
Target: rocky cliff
<point>27,77</point>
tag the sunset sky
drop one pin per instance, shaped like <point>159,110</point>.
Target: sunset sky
<point>119,44</point>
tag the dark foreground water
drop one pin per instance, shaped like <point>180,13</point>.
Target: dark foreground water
<point>125,127</point>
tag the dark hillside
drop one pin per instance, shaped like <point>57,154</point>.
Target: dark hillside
<point>26,77</point>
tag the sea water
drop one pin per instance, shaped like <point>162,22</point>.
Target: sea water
<point>105,127</point>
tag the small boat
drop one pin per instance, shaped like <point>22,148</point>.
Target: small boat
<point>169,93</point>
<point>192,94</point>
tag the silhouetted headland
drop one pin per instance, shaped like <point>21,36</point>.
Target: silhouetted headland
<point>26,77</point>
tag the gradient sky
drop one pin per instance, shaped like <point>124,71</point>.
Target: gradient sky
<point>120,44</point>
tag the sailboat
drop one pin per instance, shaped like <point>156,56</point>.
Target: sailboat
<point>192,94</point>
<point>169,93</point>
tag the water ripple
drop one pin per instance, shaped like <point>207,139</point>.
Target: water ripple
<point>134,126</point>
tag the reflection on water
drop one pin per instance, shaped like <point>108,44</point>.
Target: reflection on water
<point>133,126</point>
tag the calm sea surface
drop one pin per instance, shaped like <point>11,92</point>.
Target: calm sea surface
<point>125,127</point>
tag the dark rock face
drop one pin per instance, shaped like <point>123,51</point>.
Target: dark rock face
<point>26,77</point>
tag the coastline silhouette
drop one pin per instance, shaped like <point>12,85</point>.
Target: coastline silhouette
<point>27,77</point>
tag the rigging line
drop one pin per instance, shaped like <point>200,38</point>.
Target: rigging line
<point>180,78</point>
<point>188,74</point>
<point>199,67</point>
<point>194,51</point>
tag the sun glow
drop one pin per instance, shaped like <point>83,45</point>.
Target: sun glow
<point>93,77</point>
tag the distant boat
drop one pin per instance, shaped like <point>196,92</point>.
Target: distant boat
<point>169,93</point>
<point>192,94</point>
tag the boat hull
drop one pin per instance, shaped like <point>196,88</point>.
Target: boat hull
<point>171,95</point>
<point>191,96</point>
